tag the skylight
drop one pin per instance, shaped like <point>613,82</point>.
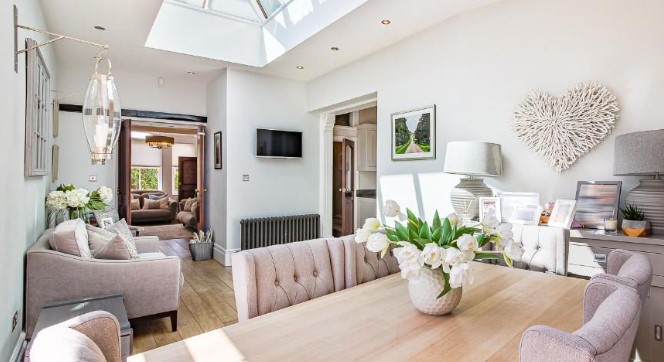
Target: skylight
<point>256,11</point>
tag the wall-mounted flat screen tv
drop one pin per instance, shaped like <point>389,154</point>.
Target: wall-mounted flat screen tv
<point>278,144</point>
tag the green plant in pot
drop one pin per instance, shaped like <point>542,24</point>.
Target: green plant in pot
<point>634,223</point>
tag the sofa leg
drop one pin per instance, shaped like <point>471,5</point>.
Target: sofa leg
<point>174,320</point>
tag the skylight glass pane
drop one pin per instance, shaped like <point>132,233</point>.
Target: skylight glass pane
<point>240,8</point>
<point>271,6</point>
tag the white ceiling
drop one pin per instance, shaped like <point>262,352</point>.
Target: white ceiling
<point>128,23</point>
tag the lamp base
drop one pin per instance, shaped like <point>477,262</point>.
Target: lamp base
<point>465,197</point>
<point>649,198</point>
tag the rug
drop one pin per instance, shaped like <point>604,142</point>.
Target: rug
<point>167,232</point>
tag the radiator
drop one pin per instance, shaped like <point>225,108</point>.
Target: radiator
<point>257,233</point>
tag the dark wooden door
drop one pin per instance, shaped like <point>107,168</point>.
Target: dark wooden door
<point>124,171</point>
<point>188,177</point>
<point>347,187</point>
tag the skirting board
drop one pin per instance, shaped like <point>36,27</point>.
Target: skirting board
<point>222,255</point>
<point>17,353</point>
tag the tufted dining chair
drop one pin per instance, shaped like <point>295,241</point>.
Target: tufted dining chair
<point>546,248</point>
<point>362,265</point>
<point>629,268</point>
<point>275,277</point>
<point>611,318</point>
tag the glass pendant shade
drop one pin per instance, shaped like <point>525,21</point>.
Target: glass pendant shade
<point>102,116</point>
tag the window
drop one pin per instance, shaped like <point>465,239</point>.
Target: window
<point>145,178</point>
<point>176,180</point>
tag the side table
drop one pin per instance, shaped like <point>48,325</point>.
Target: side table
<point>57,312</point>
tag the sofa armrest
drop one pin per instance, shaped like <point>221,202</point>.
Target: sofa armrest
<point>102,328</point>
<point>173,208</point>
<point>147,244</point>
<point>148,286</point>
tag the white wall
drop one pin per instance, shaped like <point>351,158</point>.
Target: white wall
<point>23,220</point>
<point>476,67</point>
<point>277,187</point>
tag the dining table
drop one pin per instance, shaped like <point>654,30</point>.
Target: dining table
<point>376,321</point>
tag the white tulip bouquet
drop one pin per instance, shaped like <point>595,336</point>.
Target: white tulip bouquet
<point>76,200</point>
<point>445,245</point>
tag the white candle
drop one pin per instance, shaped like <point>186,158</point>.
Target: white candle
<point>611,224</point>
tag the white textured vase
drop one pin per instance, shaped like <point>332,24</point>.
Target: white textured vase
<point>424,291</point>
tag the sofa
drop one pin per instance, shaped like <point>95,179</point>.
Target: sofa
<point>141,214</point>
<point>150,284</point>
<point>188,214</point>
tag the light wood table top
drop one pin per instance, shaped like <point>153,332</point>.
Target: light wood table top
<point>376,321</point>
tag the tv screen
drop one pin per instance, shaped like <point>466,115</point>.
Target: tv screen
<point>271,143</point>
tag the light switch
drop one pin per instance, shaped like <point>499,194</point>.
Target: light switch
<point>245,177</point>
<point>92,178</point>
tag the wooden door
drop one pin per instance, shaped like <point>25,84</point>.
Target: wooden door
<point>347,189</point>
<point>188,177</point>
<point>200,186</point>
<point>124,171</point>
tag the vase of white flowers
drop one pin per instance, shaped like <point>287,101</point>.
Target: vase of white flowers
<point>77,201</point>
<point>435,258</point>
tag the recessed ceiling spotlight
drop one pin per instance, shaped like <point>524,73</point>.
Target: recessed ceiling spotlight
<point>335,49</point>
<point>299,67</point>
<point>386,22</point>
<point>99,27</point>
<point>191,73</point>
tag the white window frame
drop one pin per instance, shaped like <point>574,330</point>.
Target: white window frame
<point>37,113</point>
<point>140,185</point>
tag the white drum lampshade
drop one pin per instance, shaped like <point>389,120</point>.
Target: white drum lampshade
<point>102,116</point>
<point>475,160</point>
<point>642,154</point>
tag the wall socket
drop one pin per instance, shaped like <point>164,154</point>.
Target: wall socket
<point>245,177</point>
<point>14,320</point>
<point>92,178</point>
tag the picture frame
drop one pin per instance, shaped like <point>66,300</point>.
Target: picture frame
<point>509,201</point>
<point>217,151</point>
<point>56,117</point>
<point>526,215</point>
<point>595,201</point>
<point>562,214</point>
<point>489,204</point>
<point>105,222</point>
<point>414,134</point>
<point>55,163</point>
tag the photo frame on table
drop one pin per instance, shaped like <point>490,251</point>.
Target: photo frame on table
<point>217,151</point>
<point>595,201</point>
<point>526,215</point>
<point>105,222</point>
<point>489,204</point>
<point>414,134</point>
<point>525,201</point>
<point>562,214</point>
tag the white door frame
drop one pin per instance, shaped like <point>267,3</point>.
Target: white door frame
<point>326,134</point>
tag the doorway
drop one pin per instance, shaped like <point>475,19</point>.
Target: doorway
<point>343,187</point>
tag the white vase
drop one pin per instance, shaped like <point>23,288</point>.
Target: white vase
<point>424,291</point>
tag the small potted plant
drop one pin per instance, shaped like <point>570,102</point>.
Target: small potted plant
<point>201,245</point>
<point>633,223</point>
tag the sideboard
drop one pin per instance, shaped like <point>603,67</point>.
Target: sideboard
<point>588,251</point>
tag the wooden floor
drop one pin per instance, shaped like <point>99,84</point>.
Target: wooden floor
<point>206,301</point>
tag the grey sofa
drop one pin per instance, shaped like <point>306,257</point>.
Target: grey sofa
<point>188,217</point>
<point>142,215</point>
<point>150,285</point>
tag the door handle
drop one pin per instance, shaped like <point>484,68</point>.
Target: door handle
<point>343,190</point>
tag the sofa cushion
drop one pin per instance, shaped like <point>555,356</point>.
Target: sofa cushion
<point>70,237</point>
<point>185,217</point>
<point>65,343</point>
<point>135,204</point>
<point>122,229</point>
<point>156,195</point>
<point>152,204</point>
<point>105,244</point>
<point>144,214</point>
<point>188,204</point>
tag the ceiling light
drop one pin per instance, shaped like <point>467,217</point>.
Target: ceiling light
<point>159,141</point>
<point>299,67</point>
<point>99,27</point>
<point>334,49</point>
<point>386,22</point>
<point>191,73</point>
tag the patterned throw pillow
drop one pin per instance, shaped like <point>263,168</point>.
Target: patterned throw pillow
<point>135,204</point>
<point>156,204</point>
<point>105,244</point>
<point>122,229</point>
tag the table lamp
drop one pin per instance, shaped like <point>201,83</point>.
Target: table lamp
<point>474,160</point>
<point>642,154</point>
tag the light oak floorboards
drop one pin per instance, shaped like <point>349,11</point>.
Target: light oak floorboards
<point>207,301</point>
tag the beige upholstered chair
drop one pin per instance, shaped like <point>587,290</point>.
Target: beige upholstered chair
<point>611,318</point>
<point>546,248</point>
<point>275,277</point>
<point>629,268</point>
<point>362,265</point>
<point>94,336</point>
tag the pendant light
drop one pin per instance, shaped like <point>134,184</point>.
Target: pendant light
<point>102,115</point>
<point>159,142</point>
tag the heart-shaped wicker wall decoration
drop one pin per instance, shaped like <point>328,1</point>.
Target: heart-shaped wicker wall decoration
<point>563,129</point>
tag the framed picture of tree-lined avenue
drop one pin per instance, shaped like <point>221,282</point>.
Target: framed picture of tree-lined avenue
<point>414,134</point>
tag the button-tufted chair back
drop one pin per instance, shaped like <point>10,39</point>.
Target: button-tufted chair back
<point>629,268</point>
<point>546,248</point>
<point>275,277</point>
<point>607,334</point>
<point>363,265</point>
